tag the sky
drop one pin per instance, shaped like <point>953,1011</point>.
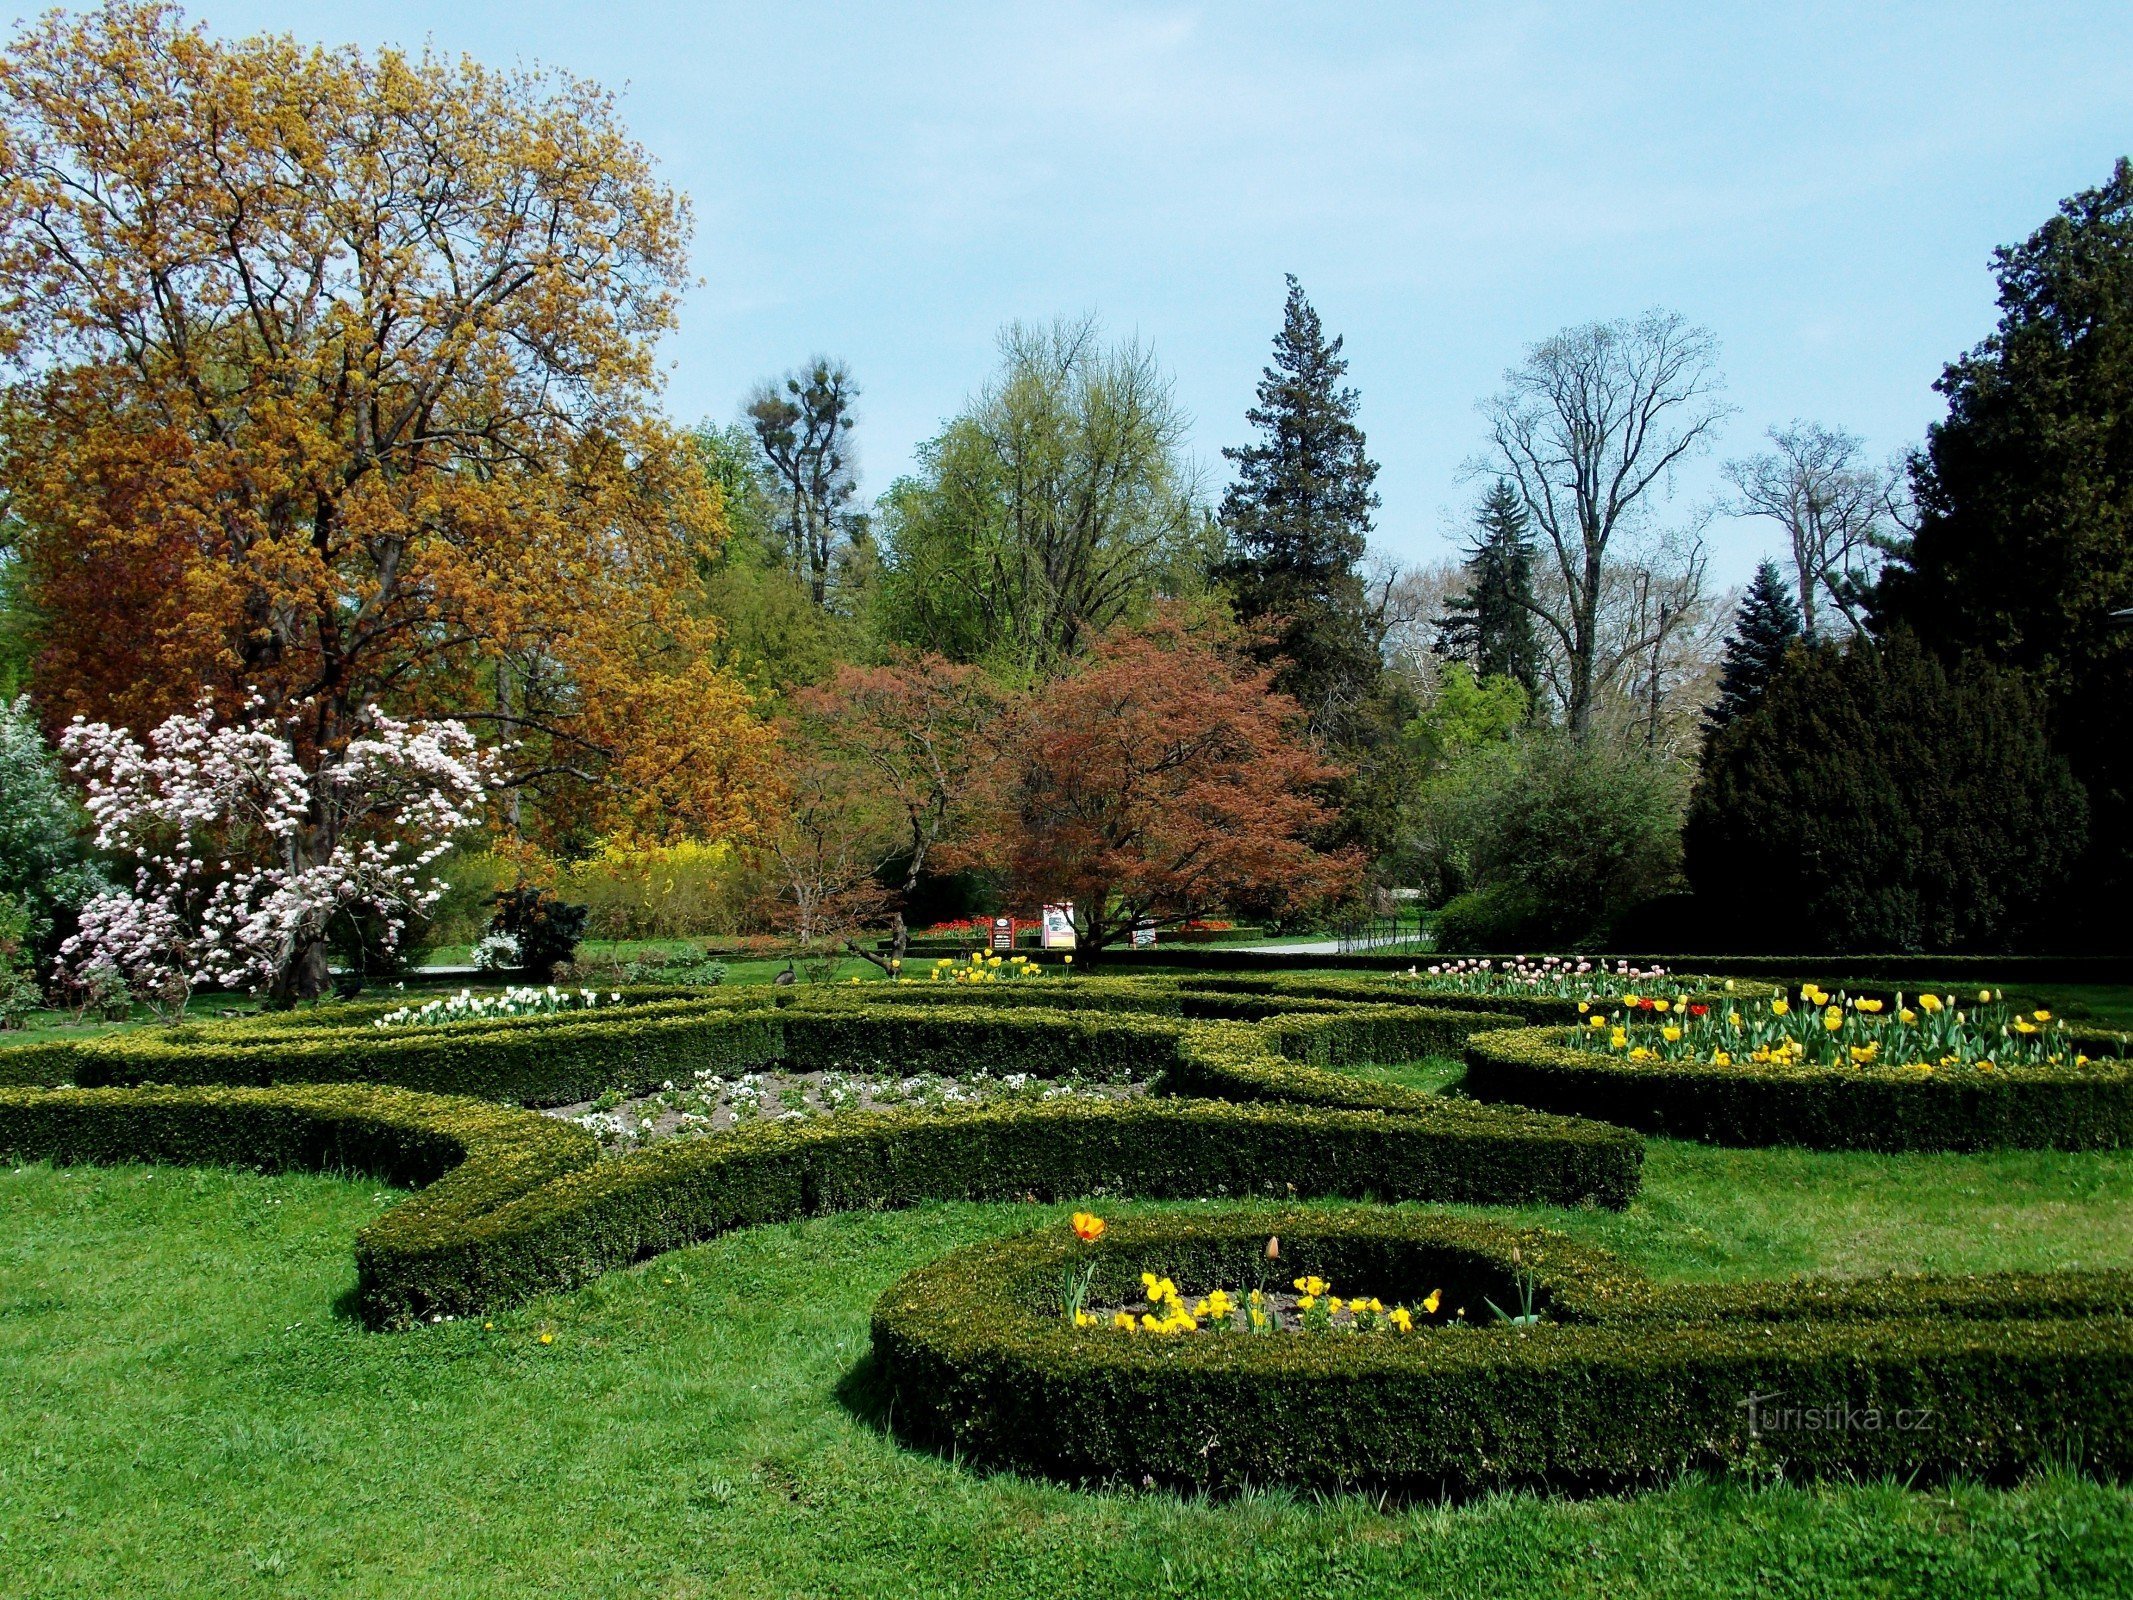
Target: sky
<point>1820,185</point>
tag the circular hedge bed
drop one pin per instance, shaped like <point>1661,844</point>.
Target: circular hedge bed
<point>1617,1384</point>
<point>1887,1108</point>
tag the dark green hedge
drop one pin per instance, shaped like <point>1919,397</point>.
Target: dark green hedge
<point>1833,972</point>
<point>1622,1384</point>
<point>687,1190</point>
<point>535,1061</point>
<point>469,1156</point>
<point>518,1205</point>
<point>1105,1030</point>
<point>1420,992</point>
<point>2071,1109</point>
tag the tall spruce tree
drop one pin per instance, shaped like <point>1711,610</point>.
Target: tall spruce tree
<point>1297,520</point>
<point>1490,626</point>
<point>1765,627</point>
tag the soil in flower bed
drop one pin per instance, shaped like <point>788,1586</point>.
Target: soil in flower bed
<point>711,1104</point>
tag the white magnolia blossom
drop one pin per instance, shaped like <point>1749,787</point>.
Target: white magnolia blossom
<point>246,856</point>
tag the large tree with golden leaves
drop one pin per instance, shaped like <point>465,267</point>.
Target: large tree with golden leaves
<point>333,384</point>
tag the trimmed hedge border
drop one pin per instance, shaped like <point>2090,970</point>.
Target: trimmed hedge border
<point>532,1060</point>
<point>1623,1384</point>
<point>2086,1109</point>
<point>1908,971</point>
<point>1105,1029</point>
<point>518,1204</point>
<point>1418,992</point>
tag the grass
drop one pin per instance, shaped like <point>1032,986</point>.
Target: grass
<point>188,1415</point>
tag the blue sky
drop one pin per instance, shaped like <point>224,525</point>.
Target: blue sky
<point>1821,185</point>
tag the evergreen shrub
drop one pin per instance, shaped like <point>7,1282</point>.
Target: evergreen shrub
<point>1620,1384</point>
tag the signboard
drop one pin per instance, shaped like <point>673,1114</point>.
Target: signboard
<point>1003,933</point>
<point>1144,936</point>
<point>1057,927</point>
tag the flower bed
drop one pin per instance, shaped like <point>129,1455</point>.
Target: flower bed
<point>1608,1382</point>
<point>1530,1004</point>
<point>1548,977</point>
<point>979,967</point>
<point>467,1006</point>
<point>1866,1083</point>
<point>714,1103</point>
<point>1926,1034</point>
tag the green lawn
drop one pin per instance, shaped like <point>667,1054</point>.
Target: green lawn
<point>188,1415</point>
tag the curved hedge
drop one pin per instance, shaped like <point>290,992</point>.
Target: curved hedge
<point>519,1204</point>
<point>1823,1108</point>
<point>1621,1384</point>
<point>1104,1030</point>
<point>1398,990</point>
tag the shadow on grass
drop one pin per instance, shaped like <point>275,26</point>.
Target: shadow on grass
<point>865,1395</point>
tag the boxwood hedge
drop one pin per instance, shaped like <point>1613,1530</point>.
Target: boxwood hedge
<point>1621,1384</point>
<point>2068,1108</point>
<point>518,1204</point>
<point>1105,1030</point>
<point>1399,990</point>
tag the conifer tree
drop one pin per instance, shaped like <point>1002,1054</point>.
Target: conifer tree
<point>1873,800</point>
<point>1297,520</point>
<point>1766,626</point>
<point>1490,626</point>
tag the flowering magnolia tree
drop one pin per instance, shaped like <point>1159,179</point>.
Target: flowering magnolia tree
<point>247,855</point>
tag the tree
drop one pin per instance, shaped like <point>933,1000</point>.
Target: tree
<point>1560,839</point>
<point>910,735</point>
<point>1160,779</point>
<point>1490,625</point>
<point>2024,540</point>
<point>1586,430</point>
<point>1298,522</point>
<point>1765,628</point>
<point>44,868</point>
<point>1656,626</point>
<point>1467,710</point>
<point>1834,510</point>
<point>1058,505</point>
<point>830,845</point>
<point>1873,801</point>
<point>803,428</point>
<point>333,388</point>
<point>246,856</point>
<point>768,620</point>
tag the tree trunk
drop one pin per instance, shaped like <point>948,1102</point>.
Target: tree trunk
<point>306,977</point>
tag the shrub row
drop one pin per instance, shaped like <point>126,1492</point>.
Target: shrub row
<point>2066,1108</point>
<point>1621,1384</point>
<point>1110,1030</point>
<point>532,1060</point>
<point>1832,972</point>
<point>466,1156</point>
<point>518,1204</point>
<point>1398,991</point>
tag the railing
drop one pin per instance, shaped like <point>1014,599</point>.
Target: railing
<point>1400,932</point>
